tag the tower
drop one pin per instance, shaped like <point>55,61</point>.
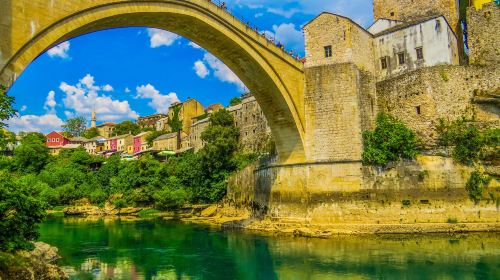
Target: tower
<point>94,118</point>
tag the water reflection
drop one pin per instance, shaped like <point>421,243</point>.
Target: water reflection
<point>155,249</point>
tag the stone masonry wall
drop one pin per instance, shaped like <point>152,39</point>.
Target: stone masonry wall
<point>333,113</point>
<point>429,189</point>
<point>439,92</point>
<point>350,42</point>
<point>406,10</point>
<point>484,34</point>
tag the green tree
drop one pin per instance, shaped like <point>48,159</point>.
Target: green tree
<point>390,141</point>
<point>464,137</point>
<point>6,138</point>
<point>20,212</point>
<point>32,154</point>
<point>127,127</point>
<point>175,123</point>
<point>6,109</point>
<point>90,133</point>
<point>235,101</point>
<point>476,185</point>
<point>75,126</point>
<point>221,138</point>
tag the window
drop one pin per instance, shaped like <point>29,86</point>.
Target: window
<point>328,51</point>
<point>383,62</point>
<point>418,110</point>
<point>420,53</point>
<point>392,14</point>
<point>401,58</point>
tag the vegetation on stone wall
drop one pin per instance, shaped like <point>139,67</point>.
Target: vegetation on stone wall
<point>391,140</point>
<point>476,185</point>
<point>469,144</point>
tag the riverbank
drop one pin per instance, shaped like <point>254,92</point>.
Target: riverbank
<point>227,217</point>
<point>34,265</point>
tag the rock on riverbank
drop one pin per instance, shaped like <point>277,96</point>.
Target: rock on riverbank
<point>32,265</point>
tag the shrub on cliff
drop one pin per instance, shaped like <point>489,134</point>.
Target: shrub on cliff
<point>476,185</point>
<point>469,143</point>
<point>390,141</point>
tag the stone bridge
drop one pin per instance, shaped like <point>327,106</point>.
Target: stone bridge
<point>30,27</point>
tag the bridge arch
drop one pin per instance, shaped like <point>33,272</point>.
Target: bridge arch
<point>277,80</point>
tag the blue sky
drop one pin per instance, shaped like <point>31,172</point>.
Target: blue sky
<point>129,72</point>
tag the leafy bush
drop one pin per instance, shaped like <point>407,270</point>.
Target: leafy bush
<point>469,143</point>
<point>173,195</point>
<point>476,185</point>
<point>20,211</point>
<point>390,141</point>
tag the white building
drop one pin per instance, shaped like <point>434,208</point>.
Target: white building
<point>405,46</point>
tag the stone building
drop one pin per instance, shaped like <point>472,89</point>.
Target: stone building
<point>106,129</point>
<point>150,121</point>
<point>94,145</point>
<point>189,109</point>
<point>404,46</point>
<point>386,49</point>
<point>119,143</point>
<point>194,138</point>
<point>168,142</point>
<point>252,124</point>
<point>410,10</point>
<point>483,33</point>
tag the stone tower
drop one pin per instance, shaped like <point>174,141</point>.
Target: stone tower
<point>94,119</point>
<point>408,10</point>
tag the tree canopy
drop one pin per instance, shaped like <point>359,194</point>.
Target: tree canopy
<point>6,109</point>
<point>75,127</point>
<point>126,127</point>
<point>235,101</point>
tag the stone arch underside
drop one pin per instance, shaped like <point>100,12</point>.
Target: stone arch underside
<point>276,80</point>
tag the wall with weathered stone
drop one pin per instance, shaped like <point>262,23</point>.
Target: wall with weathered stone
<point>446,92</point>
<point>429,189</point>
<point>434,36</point>
<point>483,28</point>
<point>333,110</point>
<point>407,10</point>
<point>349,41</point>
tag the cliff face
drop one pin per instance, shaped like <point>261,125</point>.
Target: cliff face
<point>430,189</point>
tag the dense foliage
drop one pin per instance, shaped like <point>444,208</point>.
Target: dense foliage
<point>469,143</point>
<point>175,122</point>
<point>74,127</point>
<point>235,101</point>
<point>91,133</point>
<point>20,211</point>
<point>390,141</point>
<point>476,185</point>
<point>6,109</point>
<point>186,178</point>
<point>126,127</point>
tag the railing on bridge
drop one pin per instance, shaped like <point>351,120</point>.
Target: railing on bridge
<point>221,5</point>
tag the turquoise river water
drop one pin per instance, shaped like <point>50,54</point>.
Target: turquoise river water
<point>157,249</point>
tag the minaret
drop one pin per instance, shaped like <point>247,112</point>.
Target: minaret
<point>94,119</point>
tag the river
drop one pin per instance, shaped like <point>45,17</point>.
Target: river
<point>157,249</point>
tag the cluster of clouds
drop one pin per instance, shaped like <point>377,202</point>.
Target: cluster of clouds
<point>81,98</point>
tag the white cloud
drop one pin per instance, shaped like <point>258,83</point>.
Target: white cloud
<point>32,123</point>
<point>80,99</point>
<point>159,102</point>
<point>201,69</point>
<point>23,108</point>
<point>127,90</point>
<point>287,13</point>
<point>194,45</point>
<point>160,37</point>
<point>50,102</point>
<point>289,35</point>
<point>359,10</point>
<point>107,88</point>
<point>258,15</point>
<point>60,50</point>
<point>222,72</point>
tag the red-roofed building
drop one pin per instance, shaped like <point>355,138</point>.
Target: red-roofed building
<point>56,139</point>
